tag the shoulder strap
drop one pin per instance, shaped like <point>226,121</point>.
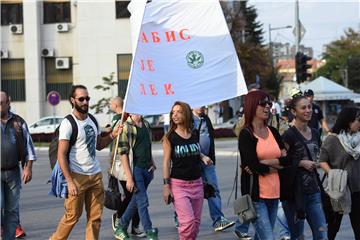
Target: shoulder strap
<point>94,120</point>
<point>300,138</point>
<point>74,132</point>
<point>201,120</point>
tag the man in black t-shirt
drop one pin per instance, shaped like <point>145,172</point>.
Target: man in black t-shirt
<point>317,118</point>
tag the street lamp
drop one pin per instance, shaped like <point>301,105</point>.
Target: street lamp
<point>270,44</point>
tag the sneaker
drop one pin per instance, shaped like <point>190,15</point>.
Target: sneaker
<point>19,232</point>
<point>137,232</point>
<point>285,238</point>
<point>223,224</point>
<point>242,236</point>
<point>120,233</point>
<point>114,221</point>
<point>152,234</point>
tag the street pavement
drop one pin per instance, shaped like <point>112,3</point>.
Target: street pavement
<point>40,213</point>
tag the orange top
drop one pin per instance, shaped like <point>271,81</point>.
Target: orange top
<point>269,184</point>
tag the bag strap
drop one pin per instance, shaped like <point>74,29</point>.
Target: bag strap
<point>94,120</point>
<point>300,138</point>
<point>114,150</point>
<point>251,183</point>
<point>74,132</point>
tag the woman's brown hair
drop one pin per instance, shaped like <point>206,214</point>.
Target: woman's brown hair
<point>188,117</point>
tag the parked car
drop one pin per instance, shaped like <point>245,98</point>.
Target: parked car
<point>46,125</point>
<point>229,124</point>
<point>154,120</point>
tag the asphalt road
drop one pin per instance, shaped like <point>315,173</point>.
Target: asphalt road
<point>40,213</point>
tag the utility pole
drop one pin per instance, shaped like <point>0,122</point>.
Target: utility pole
<point>297,27</point>
<point>270,42</point>
<point>270,47</point>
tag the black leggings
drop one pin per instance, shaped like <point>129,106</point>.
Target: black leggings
<point>135,219</point>
<point>334,219</point>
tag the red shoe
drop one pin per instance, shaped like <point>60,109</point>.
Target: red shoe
<point>19,233</point>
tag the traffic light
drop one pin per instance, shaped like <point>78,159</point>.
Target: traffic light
<point>302,67</point>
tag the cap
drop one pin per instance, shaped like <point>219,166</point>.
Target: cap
<point>295,92</point>
<point>309,92</point>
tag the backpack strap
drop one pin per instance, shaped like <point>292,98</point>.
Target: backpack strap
<point>74,132</point>
<point>94,120</point>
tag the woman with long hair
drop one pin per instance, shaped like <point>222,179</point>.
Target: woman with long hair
<point>182,182</point>
<point>262,154</point>
<point>301,197</point>
<point>341,150</point>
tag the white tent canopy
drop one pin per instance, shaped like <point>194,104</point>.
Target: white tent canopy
<point>325,89</point>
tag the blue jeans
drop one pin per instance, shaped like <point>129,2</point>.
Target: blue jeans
<point>266,211</point>
<point>208,174</point>
<point>10,196</point>
<point>139,201</point>
<point>314,215</point>
<point>242,228</point>
<point>281,223</point>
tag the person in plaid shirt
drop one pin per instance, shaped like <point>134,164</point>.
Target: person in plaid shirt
<point>136,158</point>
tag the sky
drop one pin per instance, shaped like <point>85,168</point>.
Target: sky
<point>324,21</point>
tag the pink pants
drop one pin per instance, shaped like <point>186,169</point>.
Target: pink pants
<point>188,201</point>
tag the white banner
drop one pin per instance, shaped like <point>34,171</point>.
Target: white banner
<point>184,52</point>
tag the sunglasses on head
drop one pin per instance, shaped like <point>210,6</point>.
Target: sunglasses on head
<point>81,99</point>
<point>265,102</point>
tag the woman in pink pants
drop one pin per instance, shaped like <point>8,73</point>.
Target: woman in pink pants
<point>182,183</point>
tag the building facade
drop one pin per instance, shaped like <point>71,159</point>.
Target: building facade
<point>50,45</point>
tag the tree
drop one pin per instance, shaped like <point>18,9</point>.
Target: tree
<point>247,35</point>
<point>253,28</point>
<point>341,56</point>
<point>103,103</point>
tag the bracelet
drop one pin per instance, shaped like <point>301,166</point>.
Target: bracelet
<point>166,181</point>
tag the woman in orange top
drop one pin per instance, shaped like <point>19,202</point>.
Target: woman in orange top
<point>262,153</point>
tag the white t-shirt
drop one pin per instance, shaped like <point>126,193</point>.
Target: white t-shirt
<point>82,155</point>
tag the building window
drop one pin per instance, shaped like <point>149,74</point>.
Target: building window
<point>11,13</point>
<point>121,9</point>
<point>59,80</point>
<point>13,78</point>
<point>123,68</point>
<point>57,12</point>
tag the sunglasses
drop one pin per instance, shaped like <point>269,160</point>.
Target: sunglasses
<point>265,102</point>
<point>81,99</point>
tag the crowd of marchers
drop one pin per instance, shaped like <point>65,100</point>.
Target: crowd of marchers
<point>280,158</point>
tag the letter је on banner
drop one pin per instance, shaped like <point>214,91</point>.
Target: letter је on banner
<point>182,50</point>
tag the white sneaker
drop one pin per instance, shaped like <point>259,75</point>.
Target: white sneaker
<point>138,233</point>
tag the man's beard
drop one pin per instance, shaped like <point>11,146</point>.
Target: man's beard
<point>81,110</point>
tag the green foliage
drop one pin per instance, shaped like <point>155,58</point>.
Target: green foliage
<point>273,84</point>
<point>102,105</point>
<point>253,28</point>
<point>254,57</point>
<point>343,55</point>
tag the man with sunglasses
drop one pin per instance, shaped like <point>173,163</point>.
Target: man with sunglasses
<point>81,168</point>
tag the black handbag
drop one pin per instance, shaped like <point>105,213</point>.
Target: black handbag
<point>209,190</point>
<point>112,198</point>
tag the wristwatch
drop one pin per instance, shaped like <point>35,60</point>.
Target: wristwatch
<point>166,181</point>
